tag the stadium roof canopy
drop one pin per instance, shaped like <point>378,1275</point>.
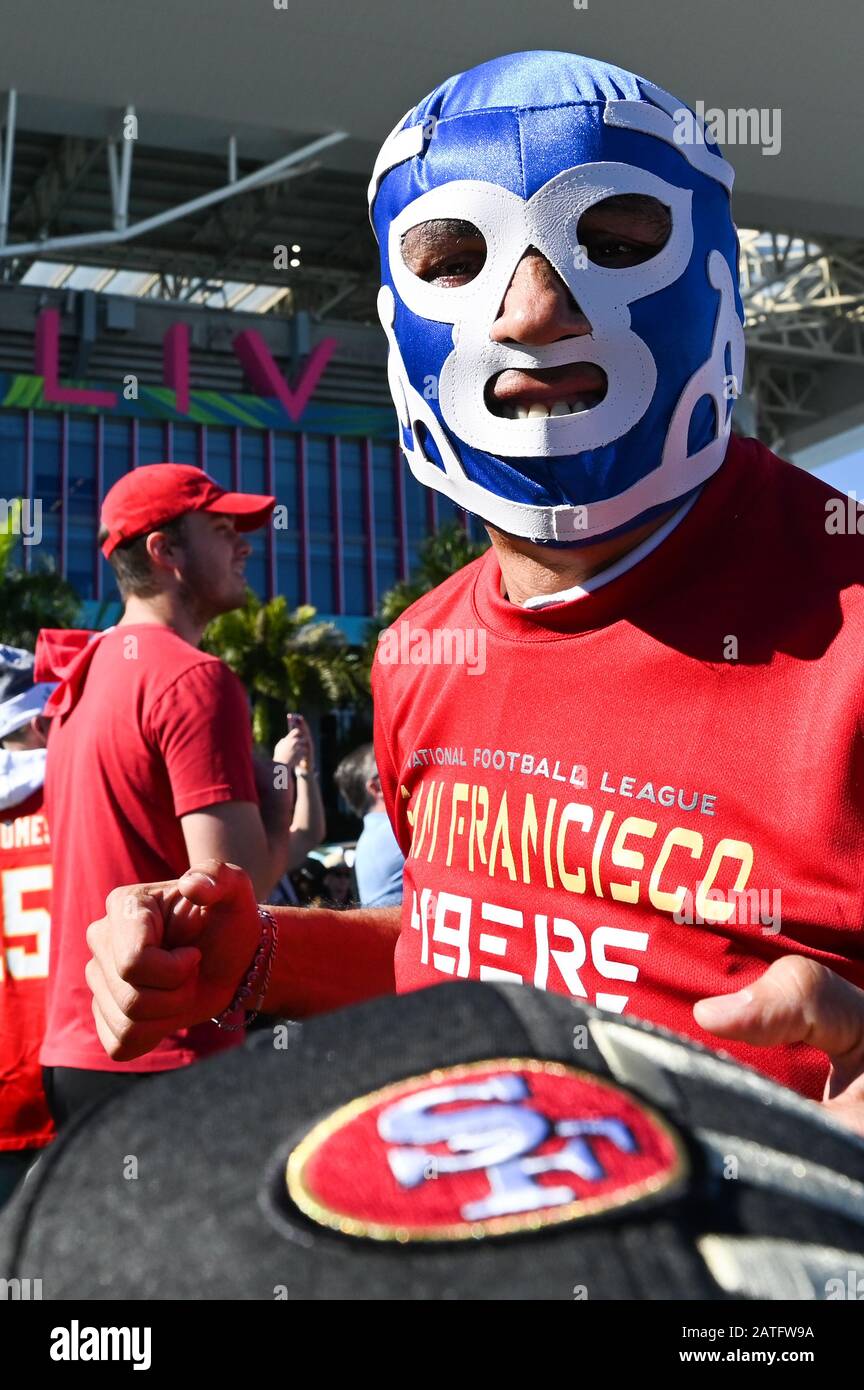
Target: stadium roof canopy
<point>223,89</point>
<point>276,79</point>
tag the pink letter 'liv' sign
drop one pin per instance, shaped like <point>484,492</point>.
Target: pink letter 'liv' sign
<point>250,349</point>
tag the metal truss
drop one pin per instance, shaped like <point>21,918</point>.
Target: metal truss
<point>120,178</point>
<point>317,291</point>
<point>56,183</point>
<point>804,310</point>
<point>803,295</point>
<point>211,248</point>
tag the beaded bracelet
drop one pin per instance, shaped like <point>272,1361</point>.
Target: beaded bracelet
<point>247,1002</point>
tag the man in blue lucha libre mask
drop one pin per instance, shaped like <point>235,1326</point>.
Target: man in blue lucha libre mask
<point>621,751</point>
<point>598,420</point>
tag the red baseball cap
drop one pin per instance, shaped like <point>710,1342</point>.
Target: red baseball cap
<point>147,497</point>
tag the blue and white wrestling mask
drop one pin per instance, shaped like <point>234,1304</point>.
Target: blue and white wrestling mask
<point>521,147</point>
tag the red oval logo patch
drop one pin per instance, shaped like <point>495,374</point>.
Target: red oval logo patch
<point>483,1149</point>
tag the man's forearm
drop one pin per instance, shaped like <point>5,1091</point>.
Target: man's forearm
<point>326,959</point>
<point>309,824</point>
<point>278,834</point>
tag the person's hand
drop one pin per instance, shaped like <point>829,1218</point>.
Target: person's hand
<point>799,1000</point>
<point>295,750</point>
<point>169,955</point>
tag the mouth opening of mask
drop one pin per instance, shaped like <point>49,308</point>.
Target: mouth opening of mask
<point>572,389</point>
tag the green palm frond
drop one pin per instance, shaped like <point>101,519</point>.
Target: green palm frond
<point>449,549</point>
<point>30,601</point>
<point>286,660</point>
<point>10,530</point>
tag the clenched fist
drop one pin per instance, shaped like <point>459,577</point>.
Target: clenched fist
<point>169,955</point>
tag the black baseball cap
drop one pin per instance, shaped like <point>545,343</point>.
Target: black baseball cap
<point>468,1141</point>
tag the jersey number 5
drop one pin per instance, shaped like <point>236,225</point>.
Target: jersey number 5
<point>25,962</point>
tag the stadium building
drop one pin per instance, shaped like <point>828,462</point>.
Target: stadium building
<point>117,381</point>
<point>187,270</point>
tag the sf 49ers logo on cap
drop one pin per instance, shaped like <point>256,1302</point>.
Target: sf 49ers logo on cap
<point>483,1149</point>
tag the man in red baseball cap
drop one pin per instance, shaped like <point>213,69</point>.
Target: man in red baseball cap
<point>150,760</point>
<point>161,492</point>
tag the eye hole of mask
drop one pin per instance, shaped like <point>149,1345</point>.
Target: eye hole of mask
<point>624,230</point>
<point>446,251</point>
<point>618,232</point>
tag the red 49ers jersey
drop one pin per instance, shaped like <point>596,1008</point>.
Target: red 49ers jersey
<point>643,796</point>
<point>25,926</point>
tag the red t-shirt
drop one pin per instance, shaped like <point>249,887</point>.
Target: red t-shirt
<point>562,794</point>
<point>158,729</point>
<point>25,930</point>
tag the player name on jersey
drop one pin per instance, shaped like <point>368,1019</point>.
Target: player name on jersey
<point>25,832</point>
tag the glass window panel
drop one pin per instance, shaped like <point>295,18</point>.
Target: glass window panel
<point>116,461</point>
<point>386,517</point>
<point>46,488</point>
<point>353,525</point>
<point>83,505</point>
<point>253,467</point>
<point>416,509</point>
<point>351,479</point>
<point>82,464</point>
<point>218,460</point>
<point>287,520</point>
<point>12,426</point>
<point>384,490</point>
<point>318,462</point>
<point>355,582</point>
<point>117,452</point>
<point>256,564</point>
<point>320,524</point>
<point>151,442</point>
<point>185,446</point>
<point>323,598</point>
<point>386,565</point>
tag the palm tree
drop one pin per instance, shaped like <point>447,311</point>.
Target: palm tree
<point>286,661</point>
<point>441,554</point>
<point>29,601</point>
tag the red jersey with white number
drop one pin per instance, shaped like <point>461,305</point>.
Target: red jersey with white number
<point>645,795</point>
<point>25,928</point>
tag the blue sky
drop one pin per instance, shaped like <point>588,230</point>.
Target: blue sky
<point>846,474</point>
<point>838,460</point>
